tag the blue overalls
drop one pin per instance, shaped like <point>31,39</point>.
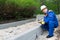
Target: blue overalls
<point>51,22</point>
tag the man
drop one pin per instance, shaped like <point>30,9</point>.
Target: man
<point>50,21</point>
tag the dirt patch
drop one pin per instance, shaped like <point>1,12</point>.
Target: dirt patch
<point>58,32</point>
<point>7,21</point>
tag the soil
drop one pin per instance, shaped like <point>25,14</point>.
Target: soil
<point>58,32</point>
<point>7,21</point>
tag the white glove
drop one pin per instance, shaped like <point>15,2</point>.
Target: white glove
<point>41,21</point>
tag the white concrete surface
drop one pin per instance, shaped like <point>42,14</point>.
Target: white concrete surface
<point>28,31</point>
<point>14,24</point>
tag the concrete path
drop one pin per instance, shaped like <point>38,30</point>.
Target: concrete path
<point>14,24</point>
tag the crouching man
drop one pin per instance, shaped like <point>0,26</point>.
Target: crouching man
<point>50,21</point>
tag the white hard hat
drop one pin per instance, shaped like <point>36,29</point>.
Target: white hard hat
<point>42,7</point>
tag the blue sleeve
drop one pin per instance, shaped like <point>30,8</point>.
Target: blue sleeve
<point>46,19</point>
<point>49,18</point>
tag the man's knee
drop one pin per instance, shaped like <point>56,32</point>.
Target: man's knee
<point>45,27</point>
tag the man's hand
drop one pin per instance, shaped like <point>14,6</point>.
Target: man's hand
<point>41,22</point>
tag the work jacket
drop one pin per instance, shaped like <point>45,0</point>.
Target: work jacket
<point>51,19</point>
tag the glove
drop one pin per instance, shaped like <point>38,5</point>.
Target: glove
<point>41,22</point>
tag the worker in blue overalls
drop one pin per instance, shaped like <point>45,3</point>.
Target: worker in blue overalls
<point>50,21</point>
